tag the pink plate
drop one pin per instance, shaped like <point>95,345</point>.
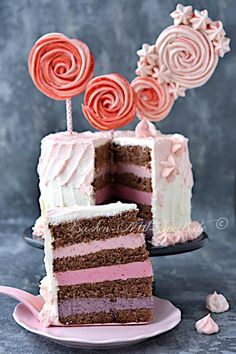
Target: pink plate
<point>166,317</point>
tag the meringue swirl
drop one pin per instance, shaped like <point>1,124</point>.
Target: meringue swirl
<point>187,54</point>
<point>109,102</point>
<point>154,101</point>
<point>60,67</point>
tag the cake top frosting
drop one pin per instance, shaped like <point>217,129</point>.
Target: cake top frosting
<point>77,212</point>
<point>184,56</point>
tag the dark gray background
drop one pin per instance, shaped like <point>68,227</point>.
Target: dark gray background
<point>114,30</point>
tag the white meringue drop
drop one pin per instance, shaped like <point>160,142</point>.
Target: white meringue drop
<point>217,303</point>
<point>207,325</point>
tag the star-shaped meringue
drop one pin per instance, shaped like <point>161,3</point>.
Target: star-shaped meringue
<point>176,90</point>
<point>177,147</point>
<point>146,129</point>
<point>182,14</point>
<point>169,170</point>
<point>200,20</point>
<point>143,69</point>
<point>144,50</point>
<point>215,31</point>
<point>222,46</point>
<point>162,74</point>
<point>148,53</point>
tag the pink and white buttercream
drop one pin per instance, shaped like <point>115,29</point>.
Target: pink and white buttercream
<point>39,228</point>
<point>188,232</point>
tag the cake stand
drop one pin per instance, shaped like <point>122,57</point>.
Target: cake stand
<point>190,246</point>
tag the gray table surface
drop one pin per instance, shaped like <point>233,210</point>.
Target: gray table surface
<point>184,279</point>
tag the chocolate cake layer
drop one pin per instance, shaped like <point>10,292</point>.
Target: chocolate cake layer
<point>136,155</point>
<point>102,155</point>
<point>97,228</point>
<point>145,211</point>
<point>130,288</point>
<point>131,180</point>
<point>121,316</point>
<point>102,181</point>
<point>100,259</point>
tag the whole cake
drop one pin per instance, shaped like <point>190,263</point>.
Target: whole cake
<point>93,168</point>
<point>143,166</point>
<point>97,266</point>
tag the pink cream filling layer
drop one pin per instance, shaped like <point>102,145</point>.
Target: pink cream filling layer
<point>102,195</point>
<point>140,171</point>
<point>83,248</point>
<point>115,272</point>
<point>133,195</point>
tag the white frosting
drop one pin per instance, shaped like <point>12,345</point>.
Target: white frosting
<point>48,290</point>
<point>80,212</point>
<point>49,285</point>
<point>38,229</point>
<point>217,303</point>
<point>207,325</point>
<point>66,169</point>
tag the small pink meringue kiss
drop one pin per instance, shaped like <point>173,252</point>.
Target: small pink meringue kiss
<point>207,325</point>
<point>217,303</point>
<point>146,129</point>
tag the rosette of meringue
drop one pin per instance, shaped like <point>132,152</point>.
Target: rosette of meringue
<point>207,325</point>
<point>217,303</point>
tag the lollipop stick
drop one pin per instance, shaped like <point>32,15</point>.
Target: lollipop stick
<point>69,115</point>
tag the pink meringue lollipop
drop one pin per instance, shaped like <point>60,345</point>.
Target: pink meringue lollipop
<point>109,102</point>
<point>187,55</point>
<point>154,101</point>
<point>60,67</point>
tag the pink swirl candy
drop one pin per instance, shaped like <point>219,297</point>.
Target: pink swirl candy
<point>154,101</point>
<point>60,67</point>
<point>187,54</point>
<point>109,102</point>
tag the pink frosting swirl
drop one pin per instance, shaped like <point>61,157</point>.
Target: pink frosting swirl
<point>109,102</point>
<point>154,100</point>
<point>187,54</point>
<point>60,67</point>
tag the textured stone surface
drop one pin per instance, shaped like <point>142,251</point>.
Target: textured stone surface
<point>114,30</point>
<point>184,279</point>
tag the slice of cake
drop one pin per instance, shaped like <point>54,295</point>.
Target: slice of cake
<point>97,266</point>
